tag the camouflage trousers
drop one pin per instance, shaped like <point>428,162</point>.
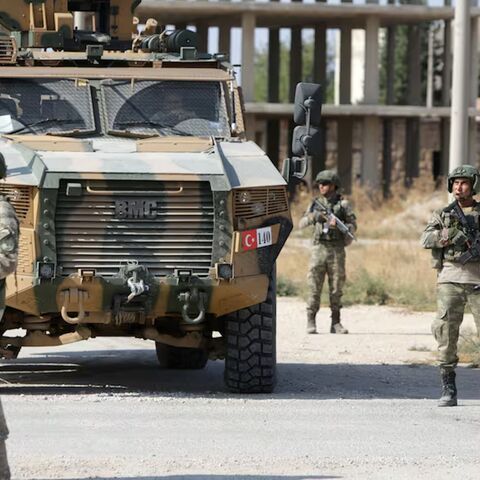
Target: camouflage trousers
<point>451,300</point>
<point>327,259</point>
<point>2,298</point>
<point>4,470</point>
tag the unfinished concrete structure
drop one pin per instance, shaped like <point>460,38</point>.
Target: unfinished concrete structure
<point>374,124</point>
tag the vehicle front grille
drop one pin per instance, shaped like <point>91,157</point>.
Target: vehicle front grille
<point>161,225</point>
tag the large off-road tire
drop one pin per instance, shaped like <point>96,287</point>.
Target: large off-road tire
<point>180,358</point>
<point>250,360</point>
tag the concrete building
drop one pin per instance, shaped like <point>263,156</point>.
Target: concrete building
<point>363,138</point>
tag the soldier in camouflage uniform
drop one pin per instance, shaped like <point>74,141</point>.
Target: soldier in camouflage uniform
<point>9,235</point>
<point>328,252</point>
<point>457,284</point>
<point>4,469</point>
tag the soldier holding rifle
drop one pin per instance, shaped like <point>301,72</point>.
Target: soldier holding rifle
<point>453,235</point>
<point>334,226</point>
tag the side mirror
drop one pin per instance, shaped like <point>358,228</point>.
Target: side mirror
<point>294,167</point>
<point>308,104</point>
<point>306,141</point>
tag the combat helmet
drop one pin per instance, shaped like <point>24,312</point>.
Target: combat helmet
<point>328,176</point>
<point>464,171</point>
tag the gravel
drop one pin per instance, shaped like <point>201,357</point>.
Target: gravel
<point>354,406</point>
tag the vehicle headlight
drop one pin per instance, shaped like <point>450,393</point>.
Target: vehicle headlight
<point>244,197</point>
<point>260,201</point>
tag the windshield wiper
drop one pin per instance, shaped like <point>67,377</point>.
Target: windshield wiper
<point>43,121</point>
<point>149,123</point>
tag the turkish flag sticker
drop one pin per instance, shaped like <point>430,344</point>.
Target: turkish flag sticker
<point>249,240</point>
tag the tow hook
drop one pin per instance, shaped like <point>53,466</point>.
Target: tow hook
<point>189,299</point>
<point>137,287</point>
<point>76,297</point>
<point>135,282</point>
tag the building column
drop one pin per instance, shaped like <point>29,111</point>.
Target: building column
<point>389,100</point>
<point>202,32</point>
<point>320,76</point>
<point>371,124</point>
<point>273,124</point>
<point>429,102</point>
<point>412,130</point>
<point>460,85</point>
<point>446,85</point>
<point>295,71</point>
<point>345,124</point>
<point>224,39</point>
<point>248,68</point>
<point>472,121</point>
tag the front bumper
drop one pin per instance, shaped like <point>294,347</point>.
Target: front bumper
<point>106,298</point>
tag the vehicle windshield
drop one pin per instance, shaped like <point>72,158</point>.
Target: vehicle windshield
<point>45,106</point>
<point>165,108</point>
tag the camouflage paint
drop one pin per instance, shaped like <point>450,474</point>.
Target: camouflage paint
<point>38,165</point>
<point>9,22</point>
<point>16,16</point>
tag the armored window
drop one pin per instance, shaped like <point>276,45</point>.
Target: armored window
<point>165,108</point>
<point>46,106</point>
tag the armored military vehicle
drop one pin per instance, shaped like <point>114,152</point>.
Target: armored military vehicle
<point>143,209</point>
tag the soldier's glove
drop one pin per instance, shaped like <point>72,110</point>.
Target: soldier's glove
<point>456,236</point>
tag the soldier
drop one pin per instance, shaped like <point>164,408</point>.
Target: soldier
<point>9,235</point>
<point>457,282</point>
<point>4,469</point>
<point>328,253</point>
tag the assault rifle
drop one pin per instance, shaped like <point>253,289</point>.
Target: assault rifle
<point>329,216</point>
<point>472,233</point>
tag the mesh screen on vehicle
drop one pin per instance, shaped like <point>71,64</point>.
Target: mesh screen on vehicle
<point>45,106</point>
<point>166,107</point>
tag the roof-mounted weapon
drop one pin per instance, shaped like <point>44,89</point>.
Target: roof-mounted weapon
<point>30,27</point>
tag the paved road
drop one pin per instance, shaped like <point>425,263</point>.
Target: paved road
<point>356,406</point>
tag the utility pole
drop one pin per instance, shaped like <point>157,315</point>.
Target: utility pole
<point>460,90</point>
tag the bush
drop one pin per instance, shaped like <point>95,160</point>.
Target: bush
<point>365,288</point>
<point>387,265</point>
<point>469,349</point>
<point>287,287</point>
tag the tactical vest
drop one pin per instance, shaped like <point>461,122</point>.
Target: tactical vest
<point>451,253</point>
<point>322,234</point>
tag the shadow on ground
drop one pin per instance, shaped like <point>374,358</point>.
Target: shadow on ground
<point>213,477</point>
<point>137,372</point>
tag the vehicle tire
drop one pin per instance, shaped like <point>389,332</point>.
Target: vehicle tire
<point>250,360</point>
<point>181,358</point>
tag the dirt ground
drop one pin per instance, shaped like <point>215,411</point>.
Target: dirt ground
<point>357,406</point>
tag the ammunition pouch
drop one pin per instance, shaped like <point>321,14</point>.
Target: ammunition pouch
<point>457,237</point>
<point>331,235</point>
<point>324,234</point>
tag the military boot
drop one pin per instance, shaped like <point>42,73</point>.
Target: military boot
<point>336,326</point>
<point>311,327</point>
<point>449,389</point>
